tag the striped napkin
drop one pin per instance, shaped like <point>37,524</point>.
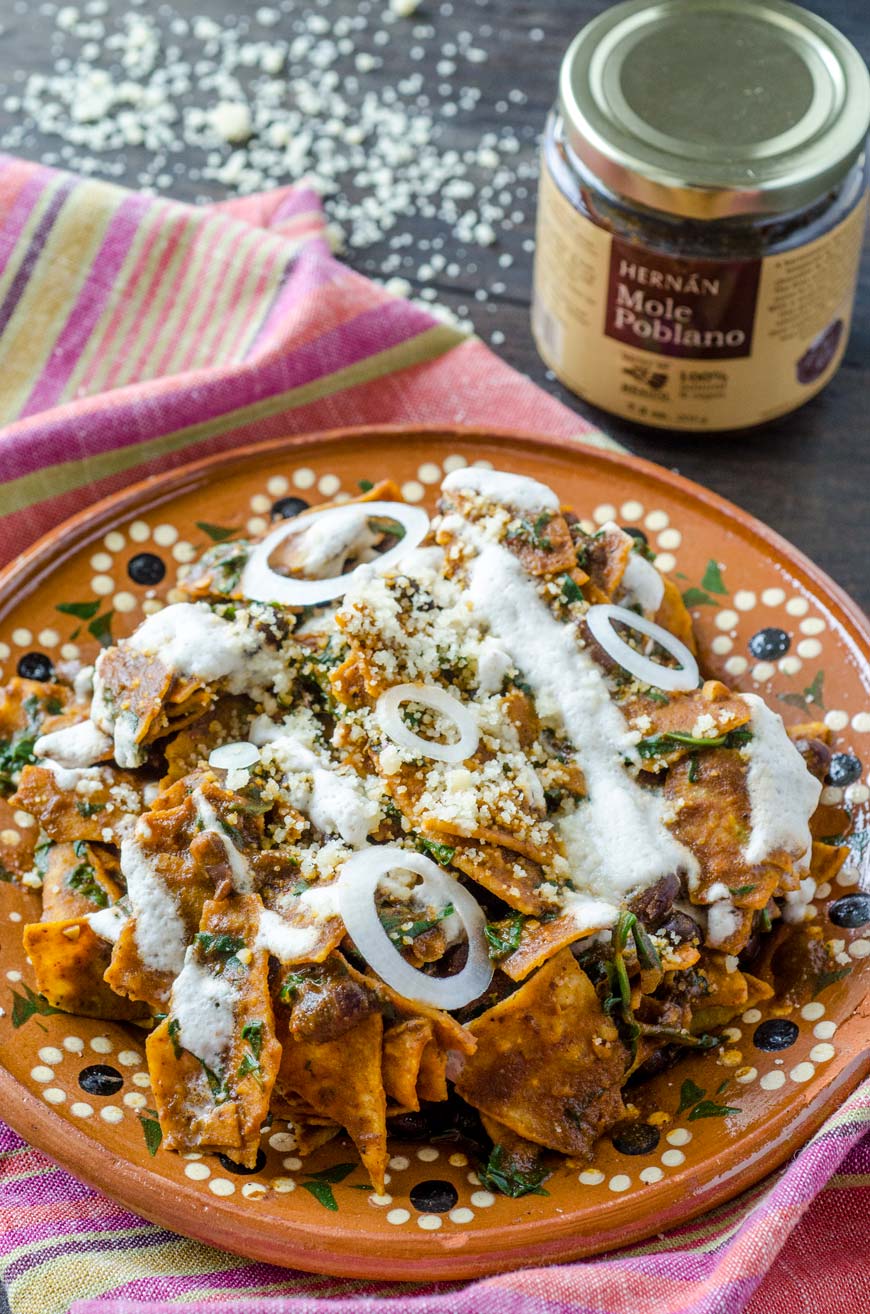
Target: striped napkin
<point>137,334</point>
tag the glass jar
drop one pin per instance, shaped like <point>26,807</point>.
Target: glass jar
<point>701,211</point>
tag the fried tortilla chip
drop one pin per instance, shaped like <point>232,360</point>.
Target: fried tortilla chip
<point>549,1064</point>
<point>515,879</point>
<point>342,1080</point>
<point>95,805</point>
<point>221,1108</point>
<point>79,879</point>
<point>69,961</point>
<point>404,1044</point>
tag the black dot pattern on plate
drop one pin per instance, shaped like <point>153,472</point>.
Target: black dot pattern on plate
<point>843,769</point>
<point>769,644</point>
<point>434,1197</point>
<point>636,1138</point>
<point>636,533</point>
<point>146,568</point>
<point>288,507</point>
<point>775,1033</point>
<point>851,911</point>
<point>35,666</point>
<point>239,1169</point>
<point>100,1079</point>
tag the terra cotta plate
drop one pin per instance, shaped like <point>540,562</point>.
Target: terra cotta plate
<point>767,620</point>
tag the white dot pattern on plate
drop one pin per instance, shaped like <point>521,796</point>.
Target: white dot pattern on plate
<point>165,535</point>
<point>657,520</point>
<point>812,625</point>
<point>746,1075</point>
<point>631,510</point>
<point>773,597</point>
<point>824,1030</point>
<point>124,601</point>
<point>726,620</point>
<point>722,644</point>
<point>380,1200</point>
<point>744,600</point>
<point>22,637</point>
<point>277,486</point>
<point>809,648</point>
<point>328,484</point>
<point>861,722</point>
<point>129,1058</point>
<point>859,949</point>
<point>651,1174</point>
<point>222,1186</point>
<point>665,562</point>
<point>74,1044</point>
<point>283,1185</point>
<point>413,491</point>
<point>257,525</point>
<point>822,1052</point>
<point>482,1199</point>
<point>134,1099</point>
<point>763,671</point>
<point>591,1177</point>
<point>461,1215</point>
<point>802,1072</point>
<point>49,638</point>
<point>254,1190</point>
<point>606,511</point>
<point>197,1172</point>
<point>736,665</point>
<point>797,606</point>
<point>429,1222</point>
<point>399,1163</point>
<point>292,1163</point>
<point>428,1154</point>
<point>101,1045</point>
<point>429,473</point>
<point>673,1158</point>
<point>813,1010</point>
<point>398,1216</point>
<point>679,1136</point>
<point>458,1160</point>
<point>857,793</point>
<point>619,1182</point>
<point>54,1095</point>
<point>790,665</point>
<point>111,1113</point>
<point>260,503</point>
<point>772,1080</point>
<point>48,1054</point>
<point>81,1110</point>
<point>455,462</point>
<point>41,1073</point>
<point>669,538</point>
<point>115,541</point>
<point>141,1079</point>
<point>303,477</point>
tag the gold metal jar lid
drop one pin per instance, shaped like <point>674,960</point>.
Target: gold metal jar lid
<point>709,108</point>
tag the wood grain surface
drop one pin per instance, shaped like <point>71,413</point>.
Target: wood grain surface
<point>804,475</point>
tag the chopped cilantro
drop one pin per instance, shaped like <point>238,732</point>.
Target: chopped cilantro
<point>503,938</point>
<point>400,928</point>
<point>532,533</point>
<point>571,590</point>
<point>442,853</point>
<point>501,1175</point>
<point>668,740</point>
<point>293,982</point>
<point>15,754</point>
<point>223,946</point>
<point>83,880</point>
<point>173,1031</point>
<point>88,809</point>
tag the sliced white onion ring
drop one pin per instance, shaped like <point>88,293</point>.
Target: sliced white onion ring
<point>600,621</point>
<point>428,695</point>
<point>234,757</point>
<point>262,584</point>
<point>356,900</point>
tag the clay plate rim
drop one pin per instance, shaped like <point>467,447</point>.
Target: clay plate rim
<point>745,1158</point>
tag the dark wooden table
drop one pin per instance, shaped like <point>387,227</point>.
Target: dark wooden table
<point>804,475</point>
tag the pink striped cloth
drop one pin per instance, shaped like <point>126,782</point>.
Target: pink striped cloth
<point>137,334</point>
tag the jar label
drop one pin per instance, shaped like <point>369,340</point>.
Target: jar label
<point>689,343</point>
